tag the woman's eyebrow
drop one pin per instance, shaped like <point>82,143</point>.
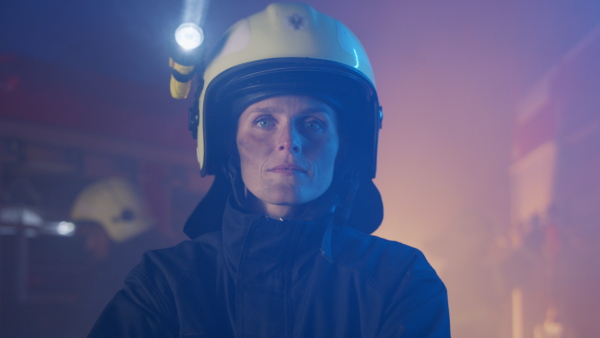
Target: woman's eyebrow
<point>317,110</point>
<point>266,110</point>
<point>278,110</point>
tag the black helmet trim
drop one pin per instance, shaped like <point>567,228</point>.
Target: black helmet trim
<point>346,89</point>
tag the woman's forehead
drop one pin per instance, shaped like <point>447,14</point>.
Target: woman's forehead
<point>286,103</point>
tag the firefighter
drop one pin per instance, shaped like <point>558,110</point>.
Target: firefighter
<point>287,119</point>
<point>112,218</point>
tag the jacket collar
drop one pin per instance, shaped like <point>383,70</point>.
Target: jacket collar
<point>254,243</point>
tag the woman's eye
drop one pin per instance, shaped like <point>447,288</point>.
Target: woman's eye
<point>314,125</point>
<point>264,122</point>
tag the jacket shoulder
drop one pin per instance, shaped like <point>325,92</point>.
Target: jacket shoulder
<point>183,256</point>
<point>389,264</point>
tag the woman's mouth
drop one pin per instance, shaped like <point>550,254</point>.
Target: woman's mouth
<point>287,168</point>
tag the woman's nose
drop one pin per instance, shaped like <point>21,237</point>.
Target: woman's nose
<point>289,140</point>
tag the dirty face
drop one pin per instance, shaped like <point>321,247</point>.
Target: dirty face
<point>287,147</point>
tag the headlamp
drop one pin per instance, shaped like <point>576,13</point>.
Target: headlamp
<point>187,52</point>
<point>187,48</point>
<point>189,36</point>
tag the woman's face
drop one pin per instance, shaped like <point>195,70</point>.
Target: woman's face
<point>287,147</point>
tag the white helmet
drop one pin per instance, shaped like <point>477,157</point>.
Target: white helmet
<point>115,204</point>
<point>289,48</point>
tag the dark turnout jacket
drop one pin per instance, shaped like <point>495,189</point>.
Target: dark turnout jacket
<point>261,277</point>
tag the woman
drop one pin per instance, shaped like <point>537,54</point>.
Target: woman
<point>287,122</point>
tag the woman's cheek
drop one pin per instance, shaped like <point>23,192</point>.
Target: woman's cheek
<point>254,144</point>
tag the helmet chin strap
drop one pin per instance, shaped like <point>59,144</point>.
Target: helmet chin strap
<point>344,208</point>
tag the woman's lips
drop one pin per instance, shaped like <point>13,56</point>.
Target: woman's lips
<point>287,168</point>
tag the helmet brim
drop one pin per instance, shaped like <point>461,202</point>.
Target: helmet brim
<point>345,89</point>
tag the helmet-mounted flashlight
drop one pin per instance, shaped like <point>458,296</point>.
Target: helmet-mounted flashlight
<point>187,48</point>
<point>189,36</point>
<point>186,55</point>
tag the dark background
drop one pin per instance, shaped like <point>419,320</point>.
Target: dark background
<point>451,77</point>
